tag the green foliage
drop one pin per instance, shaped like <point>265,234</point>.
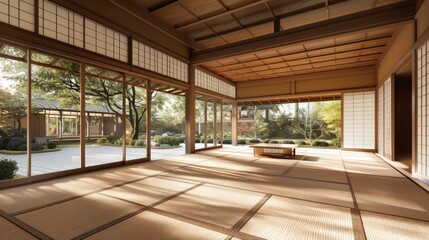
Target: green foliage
<point>320,144</point>
<point>267,141</point>
<point>172,141</point>
<point>102,140</point>
<point>156,138</point>
<point>288,142</point>
<point>34,147</point>
<point>254,141</point>
<point>51,145</point>
<point>118,141</point>
<point>8,168</point>
<point>112,139</point>
<point>197,140</point>
<point>302,142</point>
<point>227,141</point>
<point>274,141</point>
<point>210,140</point>
<point>336,142</point>
<point>241,141</point>
<point>139,143</point>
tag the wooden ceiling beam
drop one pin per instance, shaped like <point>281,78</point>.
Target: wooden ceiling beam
<point>361,21</point>
<point>144,15</point>
<point>161,5</point>
<point>230,11</point>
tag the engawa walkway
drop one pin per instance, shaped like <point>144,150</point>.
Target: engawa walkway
<point>224,194</point>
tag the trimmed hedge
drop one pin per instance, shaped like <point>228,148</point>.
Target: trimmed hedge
<point>8,168</point>
<point>197,140</point>
<point>209,140</point>
<point>139,143</point>
<point>254,141</point>
<point>320,144</point>
<point>51,145</point>
<point>274,141</point>
<point>172,141</point>
<point>34,147</point>
<point>288,142</point>
<point>227,141</point>
<point>267,141</point>
<point>302,143</point>
<point>102,140</point>
<point>241,141</point>
<point>112,139</point>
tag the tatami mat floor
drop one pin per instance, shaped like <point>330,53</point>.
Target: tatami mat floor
<point>224,194</point>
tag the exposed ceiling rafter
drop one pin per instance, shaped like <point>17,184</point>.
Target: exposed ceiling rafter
<point>369,19</point>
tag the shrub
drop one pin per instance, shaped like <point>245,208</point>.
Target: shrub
<point>254,141</point>
<point>197,140</point>
<point>112,139</point>
<point>156,138</point>
<point>227,141</point>
<point>51,145</point>
<point>140,143</point>
<point>34,147</point>
<point>15,142</point>
<point>210,140</point>
<point>118,141</point>
<point>241,141</point>
<point>288,142</point>
<point>267,141</point>
<point>181,139</point>
<point>336,142</point>
<point>22,147</point>
<point>320,144</point>
<point>133,142</point>
<point>172,141</point>
<point>8,168</point>
<point>274,141</point>
<point>302,143</point>
<point>102,140</point>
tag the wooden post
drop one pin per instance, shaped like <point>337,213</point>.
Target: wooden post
<point>29,127</point>
<point>205,122</point>
<point>82,115</point>
<point>123,119</point>
<point>190,112</point>
<point>234,120</point>
<point>148,119</point>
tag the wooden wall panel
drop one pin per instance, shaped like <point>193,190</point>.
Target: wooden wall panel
<point>422,18</point>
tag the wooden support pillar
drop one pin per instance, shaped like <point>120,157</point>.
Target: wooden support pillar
<point>29,127</point>
<point>123,120</point>
<point>190,112</point>
<point>234,121</point>
<point>82,115</point>
<point>148,119</point>
<point>214,122</point>
<point>205,122</point>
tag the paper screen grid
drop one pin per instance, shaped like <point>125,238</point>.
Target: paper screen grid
<point>422,110</point>
<point>387,119</point>
<point>212,83</point>
<point>359,120</point>
<point>18,13</point>
<point>380,120</point>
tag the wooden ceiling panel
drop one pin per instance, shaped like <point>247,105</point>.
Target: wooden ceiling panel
<point>349,7</point>
<point>282,70</point>
<point>303,19</point>
<point>290,49</point>
<point>252,15</point>
<point>301,67</point>
<point>320,52</point>
<point>228,61</point>
<point>349,47</point>
<point>368,58</point>
<point>267,72</point>
<point>298,62</point>
<point>213,64</point>
<point>211,42</point>
<point>260,68</point>
<point>203,9</point>
<point>244,70</point>
<point>237,36</point>
<point>261,29</point>
<point>267,54</point>
<point>281,7</point>
<point>350,38</point>
<point>347,54</point>
<point>273,60</point>
<point>253,64</point>
<point>373,50</point>
<point>345,61</point>
<point>322,58</point>
<point>324,69</point>
<point>174,15</point>
<point>380,32</point>
<point>224,24</point>
<point>295,56</point>
<point>304,71</point>
<point>324,64</point>
<point>236,66</point>
<point>380,3</point>
<point>199,32</point>
<point>320,44</point>
<point>246,58</point>
<point>278,65</point>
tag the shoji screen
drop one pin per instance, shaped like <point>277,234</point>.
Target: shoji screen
<point>359,120</point>
<point>18,13</point>
<point>387,119</point>
<point>380,115</point>
<point>422,110</point>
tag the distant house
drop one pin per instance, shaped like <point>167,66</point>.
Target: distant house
<point>51,119</point>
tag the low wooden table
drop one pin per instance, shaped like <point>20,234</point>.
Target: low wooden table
<point>282,150</point>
